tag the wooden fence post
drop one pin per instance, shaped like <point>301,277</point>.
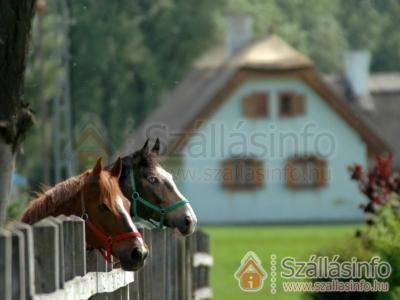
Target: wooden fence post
<point>79,246</point>
<point>46,245</point>
<point>157,262</point>
<point>5,264</point>
<point>188,257</point>
<point>29,271</point>
<point>61,260</point>
<point>181,266</point>
<point>144,275</point>
<point>172,266</point>
<point>18,263</point>
<point>202,261</point>
<point>125,293</point>
<point>134,287</point>
<point>68,247</point>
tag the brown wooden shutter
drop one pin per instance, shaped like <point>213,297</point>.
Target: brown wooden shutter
<point>298,104</point>
<point>322,172</point>
<point>258,173</point>
<point>256,105</point>
<point>227,173</point>
<point>289,173</point>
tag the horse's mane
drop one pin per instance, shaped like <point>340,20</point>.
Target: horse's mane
<point>52,201</point>
<point>48,201</point>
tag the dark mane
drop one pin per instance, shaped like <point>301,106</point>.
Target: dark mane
<point>61,198</point>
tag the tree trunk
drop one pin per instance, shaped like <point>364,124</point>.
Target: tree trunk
<point>15,115</point>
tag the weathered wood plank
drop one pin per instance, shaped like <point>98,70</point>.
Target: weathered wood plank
<point>172,265</point>
<point>26,230</point>
<point>158,264</point>
<point>68,247</point>
<point>45,237</point>
<point>181,266</point>
<point>125,293</point>
<point>79,246</point>
<point>134,288</point>
<point>18,263</point>
<point>61,261</point>
<point>5,264</point>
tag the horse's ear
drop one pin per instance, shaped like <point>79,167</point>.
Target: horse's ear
<point>116,168</point>
<point>98,167</point>
<point>156,147</point>
<point>145,148</point>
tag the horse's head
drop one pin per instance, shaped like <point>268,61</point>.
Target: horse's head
<point>108,210</point>
<point>154,184</point>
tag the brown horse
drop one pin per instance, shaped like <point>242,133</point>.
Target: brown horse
<point>159,198</point>
<point>96,197</point>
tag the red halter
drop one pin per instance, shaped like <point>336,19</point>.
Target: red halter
<point>107,239</point>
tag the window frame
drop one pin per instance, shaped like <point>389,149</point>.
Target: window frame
<point>320,165</point>
<point>255,166</point>
<point>251,100</point>
<point>297,104</point>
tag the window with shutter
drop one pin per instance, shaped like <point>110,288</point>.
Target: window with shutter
<point>291,104</point>
<point>306,172</point>
<point>255,105</point>
<point>242,173</point>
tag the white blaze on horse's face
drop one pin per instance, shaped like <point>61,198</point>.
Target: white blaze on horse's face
<point>128,220</point>
<point>183,218</point>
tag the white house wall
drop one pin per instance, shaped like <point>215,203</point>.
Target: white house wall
<point>198,173</point>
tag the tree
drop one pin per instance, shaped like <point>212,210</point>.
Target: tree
<point>15,115</point>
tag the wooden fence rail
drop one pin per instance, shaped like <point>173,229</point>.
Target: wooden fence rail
<point>49,261</point>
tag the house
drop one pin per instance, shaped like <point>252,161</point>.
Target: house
<point>251,274</point>
<point>254,134</point>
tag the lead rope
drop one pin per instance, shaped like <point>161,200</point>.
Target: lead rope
<point>161,210</point>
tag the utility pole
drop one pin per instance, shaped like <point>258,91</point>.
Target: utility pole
<point>64,161</point>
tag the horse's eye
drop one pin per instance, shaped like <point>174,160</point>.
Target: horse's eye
<point>104,208</point>
<point>152,179</point>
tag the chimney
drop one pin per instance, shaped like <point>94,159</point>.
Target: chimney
<point>239,31</point>
<point>357,74</point>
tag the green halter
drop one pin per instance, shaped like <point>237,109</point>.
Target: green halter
<point>161,210</point>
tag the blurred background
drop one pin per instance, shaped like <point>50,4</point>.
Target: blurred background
<point>100,72</point>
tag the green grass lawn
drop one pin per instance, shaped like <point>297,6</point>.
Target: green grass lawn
<point>229,244</point>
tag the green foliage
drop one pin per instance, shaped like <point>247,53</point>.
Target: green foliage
<point>384,237</point>
<point>363,28</point>
<point>16,206</point>
<point>351,247</point>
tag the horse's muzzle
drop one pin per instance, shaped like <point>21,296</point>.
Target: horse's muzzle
<point>186,225</point>
<point>135,260</point>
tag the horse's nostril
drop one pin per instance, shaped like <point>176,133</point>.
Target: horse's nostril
<point>188,221</point>
<point>138,255</point>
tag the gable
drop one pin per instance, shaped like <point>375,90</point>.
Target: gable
<point>306,75</point>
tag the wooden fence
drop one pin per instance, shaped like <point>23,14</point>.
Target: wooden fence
<point>49,261</point>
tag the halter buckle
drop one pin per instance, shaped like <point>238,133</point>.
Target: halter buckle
<point>135,195</point>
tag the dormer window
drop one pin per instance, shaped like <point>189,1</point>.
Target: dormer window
<point>307,171</point>
<point>291,104</point>
<point>255,105</point>
<point>242,173</point>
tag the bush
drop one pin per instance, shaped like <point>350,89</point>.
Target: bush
<point>382,239</point>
